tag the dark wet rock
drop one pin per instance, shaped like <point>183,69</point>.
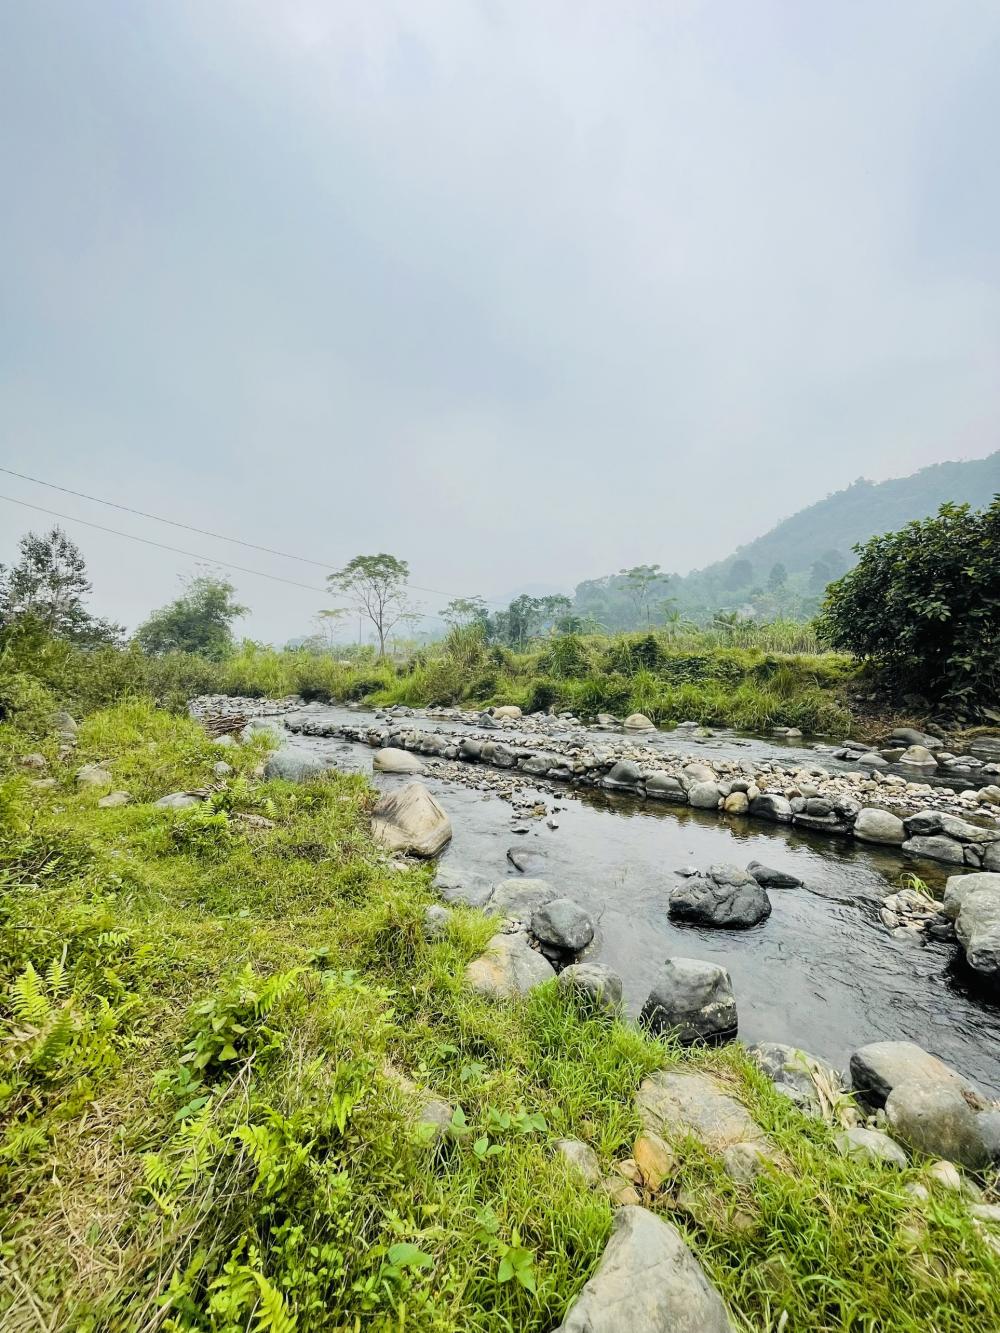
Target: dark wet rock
<point>470,749</point>
<point>677,1103</point>
<point>647,1281</point>
<point>592,987</point>
<point>528,861</point>
<point>462,887</point>
<point>539,764</point>
<point>870,1145</point>
<point>927,823</point>
<point>878,1067</point>
<point>880,826</point>
<point>937,1119</point>
<point>624,776</point>
<point>768,878</point>
<point>725,897</point>
<point>509,966</point>
<point>769,805</point>
<point>562,926</point>
<point>803,1078</point>
<point>938,848</point>
<point>691,1000</point>
<point>519,899</point>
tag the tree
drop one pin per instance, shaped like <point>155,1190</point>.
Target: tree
<point>465,611</point>
<point>923,604</point>
<point>819,576</point>
<point>199,621</point>
<point>377,586</point>
<point>778,577</point>
<point>48,585</point>
<point>639,580</point>
<point>740,575</point>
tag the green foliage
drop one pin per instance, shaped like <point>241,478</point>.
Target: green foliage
<point>923,604</point>
<point>47,587</point>
<point>199,621</point>
<point>376,585</point>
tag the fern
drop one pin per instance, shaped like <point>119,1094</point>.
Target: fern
<point>28,998</point>
<point>273,1314</point>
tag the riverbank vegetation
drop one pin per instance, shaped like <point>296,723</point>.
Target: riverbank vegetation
<point>200,1130</point>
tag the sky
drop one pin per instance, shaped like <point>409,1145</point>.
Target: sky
<point>520,293</point>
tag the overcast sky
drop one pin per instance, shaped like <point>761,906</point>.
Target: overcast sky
<point>520,292</point>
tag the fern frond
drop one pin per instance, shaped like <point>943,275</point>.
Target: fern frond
<point>28,998</point>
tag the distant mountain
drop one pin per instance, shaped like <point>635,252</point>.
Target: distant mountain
<point>785,571</point>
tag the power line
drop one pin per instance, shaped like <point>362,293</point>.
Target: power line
<point>147,541</point>
<point>188,527</point>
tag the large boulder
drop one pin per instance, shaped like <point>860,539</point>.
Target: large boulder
<point>520,899</point>
<point>592,988</point>
<point>623,776</point>
<point>463,887</point>
<point>665,787</point>
<point>507,711</point>
<point>411,821</point>
<point>391,760</point>
<point>918,756</point>
<point>561,926</point>
<point>727,897</point>
<point>510,966</point>
<point>870,1145</point>
<point>639,722</point>
<point>880,826</point>
<point>528,860</point>
<point>769,805</point>
<point>878,1067</point>
<point>677,1103</point>
<point>693,1001</point>
<point>937,1119</point>
<point>937,848</point>
<point>973,903</point>
<point>293,765</point>
<point>647,1281</point>
<point>704,795</point>
<point>805,1080</point>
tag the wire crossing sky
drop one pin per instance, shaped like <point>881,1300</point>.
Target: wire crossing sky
<point>521,294</point>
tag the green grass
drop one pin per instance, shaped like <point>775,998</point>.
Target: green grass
<point>198,1133</point>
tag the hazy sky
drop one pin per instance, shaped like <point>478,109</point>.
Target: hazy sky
<point>521,292</point>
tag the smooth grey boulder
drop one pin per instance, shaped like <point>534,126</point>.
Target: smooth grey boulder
<point>937,1119</point>
<point>519,899</point>
<point>411,821</point>
<point>805,1080</point>
<point>919,756</point>
<point>507,711</point>
<point>696,772</point>
<point>470,748</point>
<point>435,922</point>
<point>462,887</point>
<point>178,800</point>
<point>878,1067</point>
<point>624,776</point>
<point>528,861</point>
<point>870,1145</point>
<point>879,826</point>
<point>562,925</point>
<point>769,878</point>
<point>114,800</point>
<point>726,897</point>
<point>510,966</point>
<point>538,764</point>
<point>293,765</point>
<point>665,787</point>
<point>693,1001</point>
<point>639,722</point>
<point>391,760</point>
<point>64,723</point>
<point>704,795</point>
<point>973,903</point>
<point>937,848</point>
<point>592,987</point>
<point>676,1103</point>
<point>262,726</point>
<point>769,805</point>
<point>647,1281</point>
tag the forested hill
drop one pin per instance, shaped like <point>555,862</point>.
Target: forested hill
<point>785,571</point>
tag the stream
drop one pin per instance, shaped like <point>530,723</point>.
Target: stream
<point>822,972</point>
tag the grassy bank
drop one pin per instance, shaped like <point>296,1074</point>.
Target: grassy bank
<point>752,686</point>
<point>198,1132</point>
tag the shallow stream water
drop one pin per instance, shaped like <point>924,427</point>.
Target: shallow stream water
<point>822,972</point>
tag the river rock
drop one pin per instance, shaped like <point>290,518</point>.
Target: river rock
<point>973,903</point>
<point>519,899</point>
<point>870,1145</point>
<point>507,711</point>
<point>696,772</point>
<point>938,848</point>
<point>293,765</point>
<point>93,775</point>
<point>510,966</point>
<point>936,1119</point>
<point>768,878</point>
<point>736,803</point>
<point>562,926</point>
<point>677,1103</point>
<point>693,1001</point>
<point>592,987</point>
<point>430,1115</point>
<point>64,724</point>
<point>665,787</point>
<point>539,764</point>
<point>462,887</point>
<point>624,776</point>
<point>878,1067</point>
<point>704,795</point>
<point>36,763</point>
<point>526,859</point>
<point>639,722</point>
<point>769,805</point>
<point>580,1158</point>
<point>178,800</point>
<point>930,822</point>
<point>411,821</point>
<point>805,1080</point>
<point>262,726</point>
<point>873,825</point>
<point>919,756</point>
<point>726,897</point>
<point>647,1281</point>
<point>391,760</point>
